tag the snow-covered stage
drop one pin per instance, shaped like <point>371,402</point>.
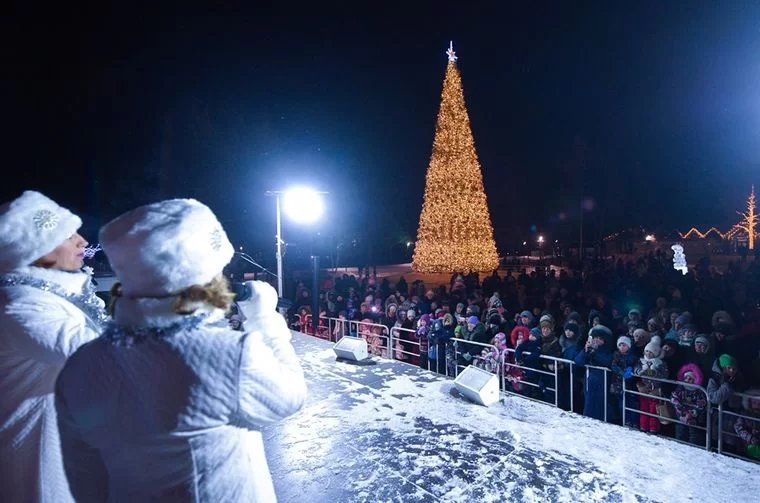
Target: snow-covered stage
<point>391,432</point>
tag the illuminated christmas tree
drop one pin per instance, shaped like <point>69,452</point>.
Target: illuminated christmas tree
<point>455,232</point>
<point>749,221</point>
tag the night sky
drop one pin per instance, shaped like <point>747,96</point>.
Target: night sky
<point>651,111</point>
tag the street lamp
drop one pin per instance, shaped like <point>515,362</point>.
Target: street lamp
<point>540,240</point>
<point>301,204</point>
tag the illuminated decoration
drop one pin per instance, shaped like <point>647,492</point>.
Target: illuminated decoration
<point>679,259</point>
<point>455,232</point>
<point>650,238</point>
<point>749,220</point>
<point>90,251</point>
<point>704,235</point>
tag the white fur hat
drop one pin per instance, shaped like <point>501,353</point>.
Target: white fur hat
<point>655,348</point>
<point>31,226</point>
<point>162,248</point>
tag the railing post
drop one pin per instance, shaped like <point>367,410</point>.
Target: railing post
<point>624,411</point>
<point>720,428</point>
<point>606,393</point>
<point>556,383</point>
<point>708,440</point>
<point>572,387</point>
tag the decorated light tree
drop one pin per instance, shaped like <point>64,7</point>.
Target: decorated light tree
<point>455,232</point>
<point>749,221</point>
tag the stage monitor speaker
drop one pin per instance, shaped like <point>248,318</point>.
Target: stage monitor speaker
<point>351,348</point>
<point>478,385</point>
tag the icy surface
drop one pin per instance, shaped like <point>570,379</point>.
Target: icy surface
<point>391,432</point>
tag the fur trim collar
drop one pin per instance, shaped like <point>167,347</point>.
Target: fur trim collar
<point>73,282</point>
<point>155,312</point>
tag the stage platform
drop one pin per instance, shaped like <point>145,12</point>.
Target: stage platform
<point>391,432</point>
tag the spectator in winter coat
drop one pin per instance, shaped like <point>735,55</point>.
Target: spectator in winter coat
<point>748,430</point>
<point>654,326</point>
<point>438,339</point>
<point>390,316</point>
<point>179,417</point>
<point>491,358</point>
<point>686,336</point>
<point>690,403</point>
<point>528,355</point>
<point>526,319</point>
<point>515,375</point>
<point>571,345</point>
<point>48,309</point>
<point>474,331</point>
<point>724,381</point>
<point>650,365</point>
<point>596,352</point>
<point>423,329</point>
<point>702,354</point>
<point>640,339</point>
<point>549,347</point>
<point>674,357</point>
<point>623,362</point>
<point>723,339</point>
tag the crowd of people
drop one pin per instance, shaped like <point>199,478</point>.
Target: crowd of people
<point>635,343</point>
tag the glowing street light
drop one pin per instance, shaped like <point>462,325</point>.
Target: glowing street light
<point>540,240</point>
<point>649,237</point>
<point>301,204</point>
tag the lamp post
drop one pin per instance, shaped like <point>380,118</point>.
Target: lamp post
<point>301,204</point>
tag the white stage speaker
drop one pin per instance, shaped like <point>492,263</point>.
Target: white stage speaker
<point>478,385</point>
<point>351,348</point>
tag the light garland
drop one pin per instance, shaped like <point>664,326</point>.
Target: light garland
<point>455,232</point>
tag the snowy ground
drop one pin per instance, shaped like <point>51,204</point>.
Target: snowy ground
<point>390,432</point>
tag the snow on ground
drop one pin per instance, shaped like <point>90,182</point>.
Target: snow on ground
<point>444,448</point>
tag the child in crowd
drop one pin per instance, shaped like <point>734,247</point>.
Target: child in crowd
<point>650,365</point>
<point>623,361</point>
<point>749,429</point>
<point>490,358</point>
<point>690,402</point>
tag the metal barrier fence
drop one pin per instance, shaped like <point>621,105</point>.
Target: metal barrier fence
<point>403,344</point>
<point>669,400</point>
<point>735,416</point>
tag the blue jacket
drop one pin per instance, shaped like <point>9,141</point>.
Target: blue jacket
<point>594,389</point>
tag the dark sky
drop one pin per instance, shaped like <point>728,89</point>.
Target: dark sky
<point>114,107</point>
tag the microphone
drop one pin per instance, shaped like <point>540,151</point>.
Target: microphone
<point>242,290</point>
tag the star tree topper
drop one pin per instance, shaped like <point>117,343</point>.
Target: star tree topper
<point>451,54</point>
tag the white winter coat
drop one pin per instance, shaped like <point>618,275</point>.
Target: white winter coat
<point>176,417</point>
<point>38,331</point>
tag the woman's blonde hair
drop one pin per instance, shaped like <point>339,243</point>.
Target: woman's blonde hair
<point>215,293</point>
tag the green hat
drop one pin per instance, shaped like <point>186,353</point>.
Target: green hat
<point>726,361</point>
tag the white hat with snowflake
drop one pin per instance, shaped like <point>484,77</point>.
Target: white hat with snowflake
<point>160,249</point>
<point>31,226</point>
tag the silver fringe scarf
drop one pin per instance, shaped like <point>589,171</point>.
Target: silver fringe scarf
<point>87,301</point>
<point>129,336</point>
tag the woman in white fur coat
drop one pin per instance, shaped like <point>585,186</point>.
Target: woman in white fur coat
<point>48,308</point>
<point>167,405</point>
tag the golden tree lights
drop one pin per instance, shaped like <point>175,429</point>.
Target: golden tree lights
<point>748,222</point>
<point>455,232</point>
